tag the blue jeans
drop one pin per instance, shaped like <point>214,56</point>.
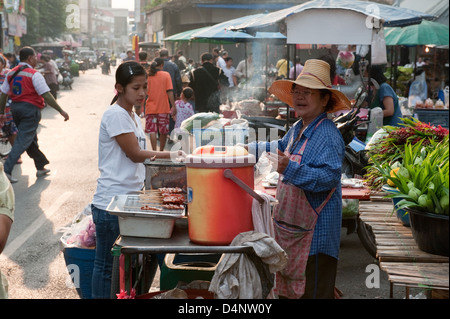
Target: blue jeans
<point>26,116</point>
<point>107,229</point>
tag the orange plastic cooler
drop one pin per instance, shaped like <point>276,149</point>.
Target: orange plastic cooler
<point>219,209</point>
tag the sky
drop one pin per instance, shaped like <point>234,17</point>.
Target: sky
<point>129,4</point>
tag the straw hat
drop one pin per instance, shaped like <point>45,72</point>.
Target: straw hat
<point>315,75</point>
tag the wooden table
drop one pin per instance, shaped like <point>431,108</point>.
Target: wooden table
<point>347,192</point>
<point>405,264</point>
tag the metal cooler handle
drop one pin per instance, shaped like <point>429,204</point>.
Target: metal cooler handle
<point>229,174</point>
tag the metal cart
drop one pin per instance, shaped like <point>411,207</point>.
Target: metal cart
<point>140,276</point>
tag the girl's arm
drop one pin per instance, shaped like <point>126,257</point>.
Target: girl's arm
<point>129,144</point>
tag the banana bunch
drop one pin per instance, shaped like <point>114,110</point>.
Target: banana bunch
<point>7,198</point>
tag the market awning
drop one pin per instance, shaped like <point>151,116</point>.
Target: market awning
<point>222,32</point>
<point>391,16</point>
<point>183,36</point>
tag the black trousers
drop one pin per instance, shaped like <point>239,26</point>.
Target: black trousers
<point>26,116</point>
<point>320,277</point>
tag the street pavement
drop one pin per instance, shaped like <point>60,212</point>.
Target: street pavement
<point>33,261</point>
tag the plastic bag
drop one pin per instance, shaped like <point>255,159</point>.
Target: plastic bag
<point>418,91</point>
<point>81,233</point>
<point>379,55</point>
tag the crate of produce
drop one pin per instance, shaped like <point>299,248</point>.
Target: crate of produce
<point>433,116</point>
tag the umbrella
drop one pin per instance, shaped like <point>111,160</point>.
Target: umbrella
<point>391,16</point>
<point>425,33</point>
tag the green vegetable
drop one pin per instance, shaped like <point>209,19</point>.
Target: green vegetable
<point>198,120</point>
<point>414,193</point>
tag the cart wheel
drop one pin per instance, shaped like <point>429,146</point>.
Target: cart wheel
<point>149,265</point>
<point>367,238</point>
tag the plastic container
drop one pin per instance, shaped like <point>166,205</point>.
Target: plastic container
<point>219,209</point>
<point>80,263</point>
<point>402,215</point>
<point>137,223</point>
<point>430,231</point>
<point>433,116</point>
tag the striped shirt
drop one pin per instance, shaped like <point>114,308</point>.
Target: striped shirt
<point>317,175</point>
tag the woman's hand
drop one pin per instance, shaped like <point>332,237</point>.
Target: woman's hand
<point>280,160</point>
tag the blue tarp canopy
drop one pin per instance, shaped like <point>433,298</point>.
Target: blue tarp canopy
<point>390,15</point>
<point>220,33</point>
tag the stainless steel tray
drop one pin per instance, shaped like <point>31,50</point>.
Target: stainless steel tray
<point>129,206</point>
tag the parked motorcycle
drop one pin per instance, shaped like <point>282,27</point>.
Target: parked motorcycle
<point>83,67</point>
<point>67,77</point>
<point>355,159</point>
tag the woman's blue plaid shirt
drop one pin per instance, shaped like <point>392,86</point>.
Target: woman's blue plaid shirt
<point>318,173</point>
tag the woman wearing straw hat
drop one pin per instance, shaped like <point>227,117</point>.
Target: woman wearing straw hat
<point>307,220</point>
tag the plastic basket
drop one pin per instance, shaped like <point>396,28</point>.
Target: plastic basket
<point>80,263</point>
<point>433,116</point>
<point>187,268</point>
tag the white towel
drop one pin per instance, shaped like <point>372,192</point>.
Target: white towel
<point>236,276</point>
<point>262,214</point>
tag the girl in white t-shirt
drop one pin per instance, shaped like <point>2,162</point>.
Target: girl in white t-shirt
<point>122,152</point>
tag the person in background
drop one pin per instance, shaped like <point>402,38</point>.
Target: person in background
<point>283,67</point>
<point>190,66</point>
<point>216,55</point>
<point>160,104</point>
<point>181,61</point>
<point>13,61</point>
<point>122,152</point>
<point>205,83</point>
<point>307,220</point>
<point>184,108</point>
<point>294,72</point>
<point>173,70</point>
<point>385,97</point>
<point>29,95</point>
<point>245,69</point>
<point>50,76</point>
<point>129,57</point>
<point>143,56</point>
<point>175,76</point>
<point>9,129</point>
<point>230,73</point>
<point>221,63</point>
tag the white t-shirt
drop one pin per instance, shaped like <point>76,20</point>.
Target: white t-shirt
<point>230,72</point>
<point>118,174</point>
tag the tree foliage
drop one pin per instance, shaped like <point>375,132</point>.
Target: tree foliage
<point>45,18</point>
